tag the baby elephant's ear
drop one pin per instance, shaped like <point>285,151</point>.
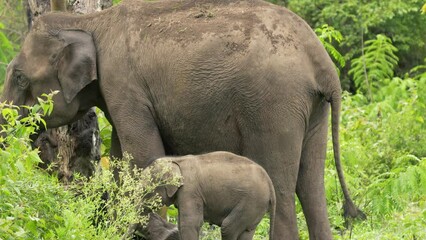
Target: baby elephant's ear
<point>77,64</point>
<point>171,190</point>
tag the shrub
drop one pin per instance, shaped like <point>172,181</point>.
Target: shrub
<point>31,200</point>
<point>34,205</point>
<point>128,196</point>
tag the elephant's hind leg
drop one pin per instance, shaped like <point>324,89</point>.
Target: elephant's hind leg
<point>229,230</point>
<point>280,156</point>
<point>310,183</point>
<point>233,225</point>
<point>243,219</point>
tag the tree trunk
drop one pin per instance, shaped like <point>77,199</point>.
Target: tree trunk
<point>58,5</point>
<point>74,147</point>
<point>38,7</point>
<point>35,8</point>
<point>88,6</point>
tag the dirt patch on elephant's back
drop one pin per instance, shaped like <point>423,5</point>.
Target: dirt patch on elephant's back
<point>185,24</point>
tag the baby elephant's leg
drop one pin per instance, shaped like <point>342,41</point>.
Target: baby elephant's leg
<point>241,222</point>
<point>229,229</point>
<point>247,235</point>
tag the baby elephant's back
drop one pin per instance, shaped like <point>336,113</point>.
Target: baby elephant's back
<point>230,167</point>
<point>228,178</point>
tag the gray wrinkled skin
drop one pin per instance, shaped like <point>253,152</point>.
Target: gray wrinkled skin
<point>221,188</point>
<point>189,77</point>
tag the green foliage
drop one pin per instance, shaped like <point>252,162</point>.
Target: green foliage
<point>210,232</point>
<point>419,72</point>
<point>12,29</point>
<point>7,51</point>
<point>358,20</point>
<point>105,131</point>
<point>34,205</point>
<point>327,35</point>
<point>262,230</point>
<point>375,65</point>
<point>128,196</point>
<point>29,200</point>
<point>384,157</point>
<point>279,2</point>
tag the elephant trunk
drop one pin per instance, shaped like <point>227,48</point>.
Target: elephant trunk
<point>349,208</point>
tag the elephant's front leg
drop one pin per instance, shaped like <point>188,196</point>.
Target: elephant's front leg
<point>138,133</point>
<point>190,217</point>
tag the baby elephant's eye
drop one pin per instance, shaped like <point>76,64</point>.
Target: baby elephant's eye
<point>22,81</point>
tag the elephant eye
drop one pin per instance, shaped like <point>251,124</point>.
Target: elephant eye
<point>21,81</point>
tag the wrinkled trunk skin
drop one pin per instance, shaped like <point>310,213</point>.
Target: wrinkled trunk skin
<point>73,148</point>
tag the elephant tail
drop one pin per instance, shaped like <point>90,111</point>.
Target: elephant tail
<point>349,208</point>
<point>272,209</point>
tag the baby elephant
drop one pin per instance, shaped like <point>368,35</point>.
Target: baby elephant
<point>221,188</point>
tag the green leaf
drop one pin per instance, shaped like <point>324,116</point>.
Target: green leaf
<point>375,66</point>
<point>327,35</point>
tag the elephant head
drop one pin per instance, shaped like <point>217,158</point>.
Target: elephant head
<point>50,60</point>
<point>168,192</point>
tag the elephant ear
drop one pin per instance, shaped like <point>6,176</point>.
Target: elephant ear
<point>77,64</point>
<point>171,189</point>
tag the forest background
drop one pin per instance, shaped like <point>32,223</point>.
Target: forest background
<point>380,53</point>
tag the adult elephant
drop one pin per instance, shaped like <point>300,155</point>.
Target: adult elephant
<point>187,77</point>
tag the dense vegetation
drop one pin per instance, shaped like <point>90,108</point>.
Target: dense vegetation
<point>34,205</point>
<point>379,50</point>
